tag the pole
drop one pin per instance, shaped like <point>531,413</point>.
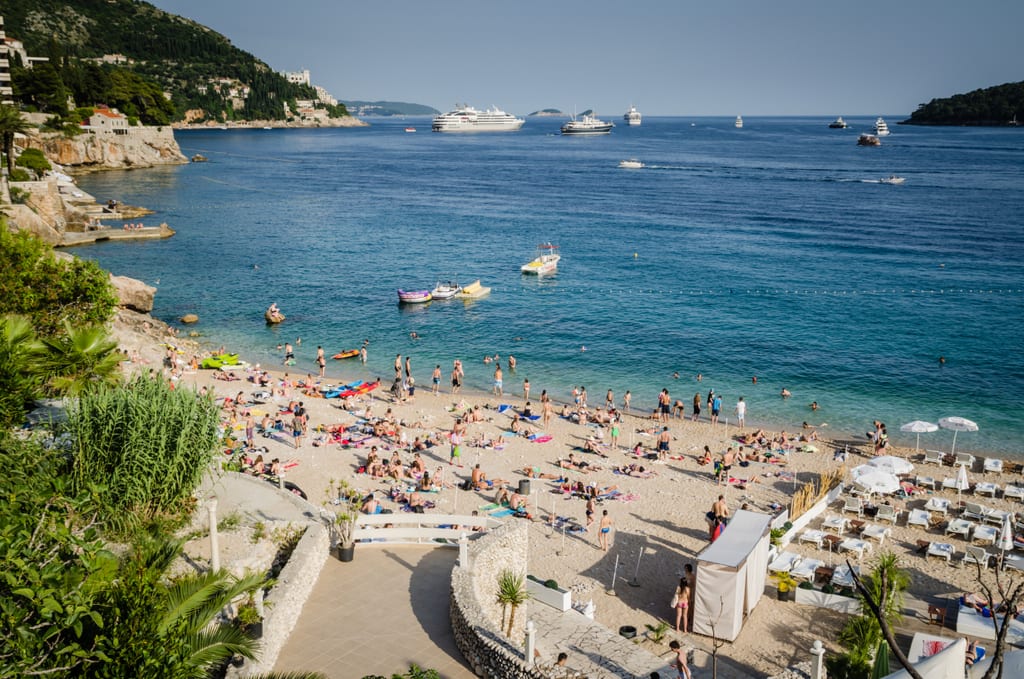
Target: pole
<point>615,573</point>
<point>636,582</point>
<point>214,539</point>
<point>561,552</point>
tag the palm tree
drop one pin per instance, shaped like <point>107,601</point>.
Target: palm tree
<point>19,385</point>
<point>11,123</point>
<point>80,361</point>
<point>511,592</point>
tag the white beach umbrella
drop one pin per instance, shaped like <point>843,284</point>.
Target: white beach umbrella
<point>957,424</point>
<point>1006,534</point>
<point>891,464</point>
<point>962,483</point>
<point>919,427</point>
<point>875,480</point>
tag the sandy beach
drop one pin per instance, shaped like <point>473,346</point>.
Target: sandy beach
<point>662,513</point>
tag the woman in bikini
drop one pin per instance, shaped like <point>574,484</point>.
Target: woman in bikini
<point>682,605</point>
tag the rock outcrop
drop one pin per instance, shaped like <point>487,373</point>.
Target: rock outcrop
<point>133,294</point>
<point>140,147</point>
<point>22,218</point>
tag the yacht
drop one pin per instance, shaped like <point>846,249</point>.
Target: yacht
<point>632,117</point>
<point>587,124</point>
<point>838,124</point>
<point>892,179</point>
<point>631,164</point>
<point>881,129</point>
<point>465,118</point>
<point>739,121</point>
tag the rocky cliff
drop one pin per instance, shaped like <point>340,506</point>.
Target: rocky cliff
<point>140,147</point>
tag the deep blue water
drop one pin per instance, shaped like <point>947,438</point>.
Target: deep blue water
<point>770,251</point>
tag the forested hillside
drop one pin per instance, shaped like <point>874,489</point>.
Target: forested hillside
<point>175,54</point>
<point>999,105</point>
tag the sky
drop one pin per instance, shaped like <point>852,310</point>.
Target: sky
<point>668,57</point>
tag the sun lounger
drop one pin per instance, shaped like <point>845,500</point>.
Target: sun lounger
<point>926,482</point>
<point>994,464</point>
<point>1013,562</point>
<point>836,523</point>
<point>937,504</point>
<point>784,562</point>
<point>872,532</point>
<point>854,504</point>
<point>1014,491</point>
<point>919,517</point>
<point>887,513</point>
<point>842,576</point>
<point>973,510</point>
<point>996,517</point>
<point>985,534</point>
<point>806,568</point>
<point>948,483</point>
<point>974,554</point>
<point>971,623</point>
<point>961,527</point>
<point>986,488</point>
<point>934,456</point>
<point>941,549</point>
<point>965,459</point>
<point>815,536</point>
<point>855,545</point>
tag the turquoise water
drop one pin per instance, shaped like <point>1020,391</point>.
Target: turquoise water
<point>770,251</point>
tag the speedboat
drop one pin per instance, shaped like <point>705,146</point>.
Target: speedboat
<point>838,124</point>
<point>881,129</point>
<point>739,122</point>
<point>630,164</point>
<point>445,290</point>
<point>473,291</point>
<point>410,129</point>
<point>587,124</point>
<point>546,261</point>
<point>414,296</point>
<point>893,179</point>
<point>633,117</point>
<point>465,118</point>
<point>868,140</point>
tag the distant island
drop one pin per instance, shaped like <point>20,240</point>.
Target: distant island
<point>1001,105</point>
<point>550,112</point>
<point>388,108</point>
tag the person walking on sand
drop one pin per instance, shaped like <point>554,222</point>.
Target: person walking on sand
<point>741,412</point>
<point>320,359</point>
<point>591,508</point>
<point>546,418</point>
<point>526,389</point>
<point>250,430</point>
<point>456,439</point>
<point>663,440</point>
<point>497,380</point>
<point>716,408</point>
<point>456,379</point>
<point>682,605</point>
<point>289,353</point>
<point>606,529</point>
<point>680,662</point>
<point>435,379</point>
<point>696,406</point>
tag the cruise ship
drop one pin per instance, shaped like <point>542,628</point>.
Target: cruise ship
<point>587,124</point>
<point>632,117</point>
<point>467,119</point>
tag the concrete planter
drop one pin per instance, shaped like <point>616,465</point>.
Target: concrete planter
<point>835,602</point>
<point>559,598</point>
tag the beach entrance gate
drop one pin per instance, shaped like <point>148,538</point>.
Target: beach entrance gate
<point>731,575</point>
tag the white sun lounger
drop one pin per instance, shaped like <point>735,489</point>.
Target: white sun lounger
<point>784,562</point>
<point>934,456</point>
<point>942,549</point>
<point>815,536</point>
<point>973,510</point>
<point>919,517</point>
<point>986,488</point>
<point>806,568</point>
<point>836,523</point>
<point>961,527</point>
<point>937,504</point>
<point>855,545</point>
<point>996,516</point>
<point>872,532</point>
<point>985,534</point>
<point>994,464</point>
<point>1013,491</point>
<point>842,576</point>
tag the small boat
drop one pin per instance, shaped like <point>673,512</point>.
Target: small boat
<point>587,124</point>
<point>893,179</point>
<point>633,117</point>
<point>199,158</point>
<point>881,128</point>
<point>546,261</point>
<point>414,296</point>
<point>273,315</point>
<point>838,124</point>
<point>410,129</point>
<point>630,164</point>
<point>267,127</point>
<point>868,140</point>
<point>473,291</point>
<point>445,290</point>
<point>739,122</point>
<point>347,353</point>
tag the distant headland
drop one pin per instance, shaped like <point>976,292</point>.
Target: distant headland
<point>548,112</point>
<point>1001,106</point>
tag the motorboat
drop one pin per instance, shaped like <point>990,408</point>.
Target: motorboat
<point>410,129</point>
<point>868,140</point>
<point>273,315</point>
<point>893,179</point>
<point>465,118</point>
<point>739,122</point>
<point>630,164</point>
<point>473,291</point>
<point>587,124</point>
<point>545,262</point>
<point>414,296</point>
<point>445,290</point>
<point>881,129</point>
<point>838,124</point>
<point>199,158</point>
<point>633,117</point>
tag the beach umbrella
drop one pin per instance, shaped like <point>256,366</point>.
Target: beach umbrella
<point>1006,536</point>
<point>919,427</point>
<point>875,480</point>
<point>957,424</point>
<point>891,464</point>
<point>961,482</point>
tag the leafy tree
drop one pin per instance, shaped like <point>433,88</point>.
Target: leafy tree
<point>415,672</point>
<point>11,123</point>
<point>41,86</point>
<point>511,594</point>
<point>35,160</point>
<point>19,382</point>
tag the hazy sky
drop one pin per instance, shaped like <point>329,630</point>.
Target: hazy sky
<point>669,57</point>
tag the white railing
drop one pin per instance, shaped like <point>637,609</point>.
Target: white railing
<point>412,528</point>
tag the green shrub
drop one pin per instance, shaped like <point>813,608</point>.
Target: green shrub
<point>20,175</point>
<point>551,584</point>
<point>33,159</point>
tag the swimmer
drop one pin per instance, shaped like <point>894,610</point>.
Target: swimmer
<point>675,375</point>
<point>413,335</point>
<point>583,348</point>
<point>753,379</point>
<point>785,393</point>
<point>814,405</point>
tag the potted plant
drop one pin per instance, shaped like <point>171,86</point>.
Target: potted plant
<point>342,523</point>
<point>786,585</point>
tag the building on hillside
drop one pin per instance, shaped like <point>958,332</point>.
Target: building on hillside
<point>6,93</point>
<point>323,96</point>
<point>298,77</point>
<point>108,120</point>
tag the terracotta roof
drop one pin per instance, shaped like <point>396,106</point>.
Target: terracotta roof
<point>106,112</point>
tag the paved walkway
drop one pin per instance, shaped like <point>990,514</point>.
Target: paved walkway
<point>376,615</point>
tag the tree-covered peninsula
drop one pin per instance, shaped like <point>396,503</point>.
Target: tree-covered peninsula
<point>999,105</point>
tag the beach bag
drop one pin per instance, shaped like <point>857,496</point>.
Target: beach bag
<point>675,599</point>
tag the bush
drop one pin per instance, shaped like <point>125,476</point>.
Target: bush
<point>551,584</point>
<point>806,585</point>
<point>33,159</point>
<point>20,175</point>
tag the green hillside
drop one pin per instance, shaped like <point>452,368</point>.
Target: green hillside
<point>176,54</point>
<point>389,108</point>
<point>999,105</point>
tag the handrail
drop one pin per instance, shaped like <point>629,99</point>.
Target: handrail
<point>412,528</point>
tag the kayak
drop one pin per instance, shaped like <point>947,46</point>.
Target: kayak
<point>214,362</point>
<point>348,353</point>
<point>343,389</point>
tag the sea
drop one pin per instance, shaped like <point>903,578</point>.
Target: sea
<point>771,252</point>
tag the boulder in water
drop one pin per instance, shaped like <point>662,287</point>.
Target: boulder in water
<point>190,318</point>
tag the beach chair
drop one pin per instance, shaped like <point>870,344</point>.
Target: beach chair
<point>926,482</point>
<point>934,456</point>
<point>1013,491</point>
<point>784,562</point>
<point>996,516</point>
<point>806,568</point>
<point>941,549</point>
<point>872,532</point>
<point>855,545</point>
<point>965,459</point>
<point>919,517</point>
<point>985,534</point>
<point>948,484</point>
<point>961,527</point>
<point>854,504</point>
<point>986,488</point>
<point>973,510</point>
<point>974,554</point>
<point>815,536</point>
<point>836,523</point>
<point>994,464</point>
<point>937,504</point>
<point>843,577</point>
<point>887,513</point>
<point>1013,562</point>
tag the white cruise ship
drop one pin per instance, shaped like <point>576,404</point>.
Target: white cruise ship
<point>467,119</point>
<point>881,129</point>
<point>632,117</point>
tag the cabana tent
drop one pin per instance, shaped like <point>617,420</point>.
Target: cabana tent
<point>945,664</point>
<point>731,574</point>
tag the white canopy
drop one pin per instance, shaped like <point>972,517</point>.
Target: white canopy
<point>945,664</point>
<point>731,575</point>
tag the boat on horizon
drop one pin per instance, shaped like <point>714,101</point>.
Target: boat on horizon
<point>633,117</point>
<point>587,124</point>
<point>739,122</point>
<point>545,262</point>
<point>881,128</point>
<point>414,296</point>
<point>630,164</point>
<point>893,179</point>
<point>410,129</point>
<point>838,124</point>
<point>465,118</point>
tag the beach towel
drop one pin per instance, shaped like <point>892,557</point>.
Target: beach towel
<point>488,507</point>
<point>501,512</point>
<point>503,407</point>
<point>532,418</point>
<point>540,438</point>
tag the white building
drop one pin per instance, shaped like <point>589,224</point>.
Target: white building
<point>6,93</point>
<point>298,77</point>
<point>108,120</point>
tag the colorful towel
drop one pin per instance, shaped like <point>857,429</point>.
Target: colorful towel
<point>540,438</point>
<point>501,512</point>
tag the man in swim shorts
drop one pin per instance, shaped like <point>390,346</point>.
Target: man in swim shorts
<point>663,439</point>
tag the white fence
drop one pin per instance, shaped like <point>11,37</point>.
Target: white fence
<point>411,528</point>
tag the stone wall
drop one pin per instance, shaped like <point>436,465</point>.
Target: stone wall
<point>475,613</point>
